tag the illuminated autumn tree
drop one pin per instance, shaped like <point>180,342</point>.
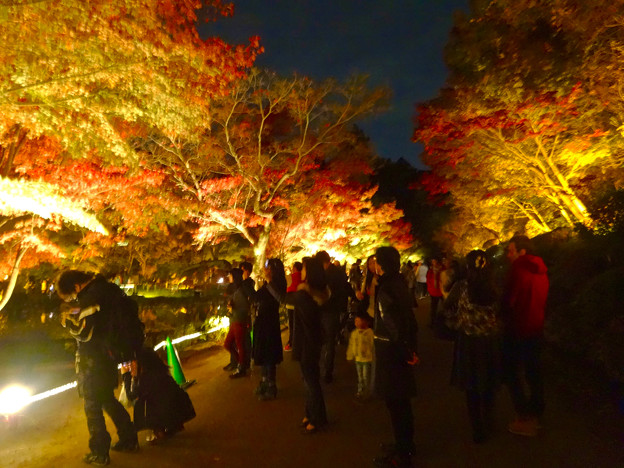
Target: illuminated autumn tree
<point>534,158</point>
<point>262,153</point>
<point>78,71</point>
<point>77,79</point>
<point>30,210</point>
<point>336,212</point>
<point>522,137</point>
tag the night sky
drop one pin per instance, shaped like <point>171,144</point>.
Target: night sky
<point>398,43</point>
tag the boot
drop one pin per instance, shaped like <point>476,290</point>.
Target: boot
<point>270,392</point>
<point>259,391</point>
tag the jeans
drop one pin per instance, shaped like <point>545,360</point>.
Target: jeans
<point>99,438</point>
<point>315,403</point>
<point>522,364</point>
<point>331,325</point>
<point>269,372</point>
<point>435,302</point>
<point>238,343</point>
<point>402,424</point>
<point>480,411</point>
<point>291,313</point>
<point>364,377</point>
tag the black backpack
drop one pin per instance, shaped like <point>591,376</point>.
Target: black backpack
<point>126,333</point>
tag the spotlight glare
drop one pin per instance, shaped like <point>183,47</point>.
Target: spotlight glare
<point>13,399</point>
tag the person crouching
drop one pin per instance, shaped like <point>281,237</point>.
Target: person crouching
<point>162,406</point>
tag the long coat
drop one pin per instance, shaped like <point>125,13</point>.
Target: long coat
<point>307,329</point>
<point>267,341</point>
<point>395,339</point>
<point>161,403</point>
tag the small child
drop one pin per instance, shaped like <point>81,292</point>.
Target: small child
<point>361,350</point>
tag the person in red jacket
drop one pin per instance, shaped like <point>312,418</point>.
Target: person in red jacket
<point>523,315</point>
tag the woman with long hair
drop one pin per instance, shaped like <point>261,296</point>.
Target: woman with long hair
<point>366,295</point>
<point>471,309</point>
<point>267,342</point>
<point>308,339</point>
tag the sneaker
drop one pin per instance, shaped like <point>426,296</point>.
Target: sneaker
<point>95,459</point>
<point>156,437</point>
<point>270,393</point>
<point>127,446</point>
<point>287,347</point>
<point>230,367</point>
<point>524,427</point>
<point>238,374</point>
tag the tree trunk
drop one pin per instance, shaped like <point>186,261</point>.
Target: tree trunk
<point>260,249</point>
<point>13,278</point>
<point>12,150</point>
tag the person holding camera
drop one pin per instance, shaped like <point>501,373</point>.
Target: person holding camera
<point>89,324</point>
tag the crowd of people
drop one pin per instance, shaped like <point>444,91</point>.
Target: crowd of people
<point>322,302</point>
<point>497,334</point>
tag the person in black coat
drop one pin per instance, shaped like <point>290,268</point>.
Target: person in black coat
<point>97,372</point>
<point>311,294</point>
<point>267,342</point>
<point>333,311</point>
<point>395,355</point>
<point>471,308</point>
<point>161,405</point>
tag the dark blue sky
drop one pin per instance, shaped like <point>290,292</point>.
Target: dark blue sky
<point>398,43</point>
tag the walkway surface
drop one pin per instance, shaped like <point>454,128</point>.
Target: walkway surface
<point>233,429</point>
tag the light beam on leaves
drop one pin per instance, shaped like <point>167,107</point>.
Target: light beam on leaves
<point>42,199</point>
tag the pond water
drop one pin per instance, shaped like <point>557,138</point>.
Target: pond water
<point>35,360</point>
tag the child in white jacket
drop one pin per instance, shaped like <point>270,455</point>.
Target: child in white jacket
<point>361,350</point>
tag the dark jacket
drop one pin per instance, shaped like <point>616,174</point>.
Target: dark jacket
<point>96,368</point>
<point>249,288</point>
<point>161,403</point>
<point>340,290</point>
<point>307,336</point>
<point>396,333</point>
<point>525,297</point>
<point>267,343</point>
<point>241,306</point>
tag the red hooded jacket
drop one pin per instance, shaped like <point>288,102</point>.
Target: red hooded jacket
<point>527,291</point>
<point>295,281</point>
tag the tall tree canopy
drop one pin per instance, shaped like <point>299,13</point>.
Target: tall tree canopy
<point>522,137</point>
<point>77,80</point>
<point>276,149</point>
<point>82,71</point>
